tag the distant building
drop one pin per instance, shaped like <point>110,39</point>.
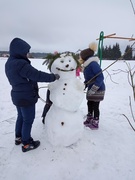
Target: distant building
<point>4,55</point>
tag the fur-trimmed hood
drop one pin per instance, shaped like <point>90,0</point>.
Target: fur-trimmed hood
<point>91,59</point>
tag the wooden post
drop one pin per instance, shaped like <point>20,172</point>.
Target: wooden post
<point>116,37</point>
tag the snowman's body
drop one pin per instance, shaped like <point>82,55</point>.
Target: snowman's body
<point>64,122</point>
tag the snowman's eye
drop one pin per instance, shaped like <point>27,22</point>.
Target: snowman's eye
<point>62,61</point>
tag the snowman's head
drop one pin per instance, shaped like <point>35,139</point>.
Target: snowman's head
<point>65,62</point>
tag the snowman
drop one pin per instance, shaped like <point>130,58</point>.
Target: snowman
<point>64,121</point>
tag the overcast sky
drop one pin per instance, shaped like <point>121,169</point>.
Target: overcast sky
<point>65,25</point>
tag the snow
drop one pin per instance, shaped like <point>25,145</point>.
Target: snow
<point>105,154</point>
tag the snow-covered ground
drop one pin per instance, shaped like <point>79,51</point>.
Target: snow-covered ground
<point>104,154</point>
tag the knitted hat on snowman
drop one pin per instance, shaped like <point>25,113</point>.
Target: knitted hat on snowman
<point>89,52</point>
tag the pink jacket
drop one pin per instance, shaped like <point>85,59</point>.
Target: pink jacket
<point>78,70</point>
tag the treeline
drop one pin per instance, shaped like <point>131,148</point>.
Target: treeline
<point>31,55</point>
<point>108,53</point>
<point>114,52</point>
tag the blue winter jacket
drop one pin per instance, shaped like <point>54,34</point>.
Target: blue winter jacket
<point>22,76</point>
<point>91,69</point>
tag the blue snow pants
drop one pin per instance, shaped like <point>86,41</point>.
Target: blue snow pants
<point>25,119</point>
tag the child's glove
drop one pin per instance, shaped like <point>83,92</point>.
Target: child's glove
<point>57,76</point>
<point>93,89</point>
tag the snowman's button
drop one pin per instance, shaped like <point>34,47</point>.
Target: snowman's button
<point>65,84</point>
<point>62,123</point>
<point>64,88</point>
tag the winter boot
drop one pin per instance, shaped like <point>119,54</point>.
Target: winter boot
<point>18,140</point>
<point>94,124</point>
<point>32,145</point>
<point>88,120</point>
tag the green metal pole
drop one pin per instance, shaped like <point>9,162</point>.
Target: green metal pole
<point>100,46</point>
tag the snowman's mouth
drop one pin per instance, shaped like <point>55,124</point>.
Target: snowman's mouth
<point>64,70</point>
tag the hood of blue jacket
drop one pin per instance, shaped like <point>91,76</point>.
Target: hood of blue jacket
<point>19,48</point>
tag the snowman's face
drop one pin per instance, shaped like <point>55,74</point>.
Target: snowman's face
<point>65,63</point>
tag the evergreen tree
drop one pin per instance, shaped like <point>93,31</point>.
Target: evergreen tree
<point>109,53</point>
<point>112,53</point>
<point>128,53</point>
<point>116,51</point>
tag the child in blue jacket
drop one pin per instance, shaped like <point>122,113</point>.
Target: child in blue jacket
<point>94,81</point>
